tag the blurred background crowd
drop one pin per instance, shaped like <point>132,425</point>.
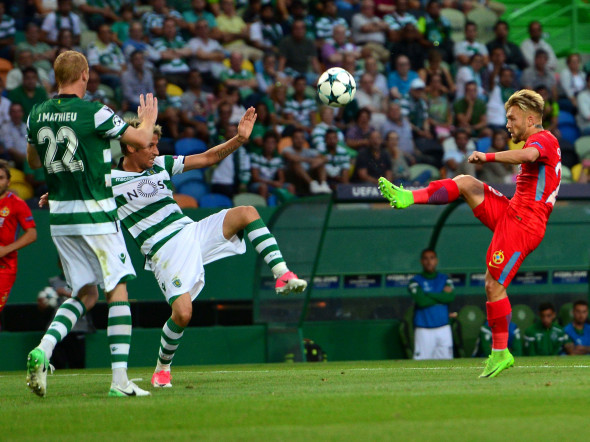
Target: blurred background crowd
<point>432,78</point>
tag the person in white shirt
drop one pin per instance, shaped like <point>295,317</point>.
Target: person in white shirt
<point>208,54</point>
<point>456,152</point>
<point>583,116</point>
<point>572,80</point>
<point>530,46</point>
<point>469,47</point>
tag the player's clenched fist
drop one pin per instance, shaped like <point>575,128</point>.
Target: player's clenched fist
<point>477,158</point>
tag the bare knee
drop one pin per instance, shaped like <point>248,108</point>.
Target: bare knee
<point>182,315</point>
<point>494,290</point>
<point>246,214</point>
<point>465,183</point>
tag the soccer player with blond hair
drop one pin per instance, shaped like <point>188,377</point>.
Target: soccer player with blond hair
<point>518,224</point>
<point>70,139</point>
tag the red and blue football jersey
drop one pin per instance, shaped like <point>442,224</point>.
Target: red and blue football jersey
<point>14,213</point>
<point>538,183</point>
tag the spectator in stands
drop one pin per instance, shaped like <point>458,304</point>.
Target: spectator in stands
<point>298,55</point>
<point>400,168</point>
<point>268,168</point>
<point>333,49</point>
<point>153,22</point>
<point>410,45</point>
<point>97,13</point>
<point>368,30</point>
<point>530,46</point>
<point>106,58</point>
<point>399,80</point>
<point>265,33</point>
<point>318,134</point>
<point>490,75</point>
<point>470,112</point>
<point>232,174</point>
<point>235,32</point>
<point>173,52</point>
<point>196,104</point>
<point>325,24</point>
<point>42,52</point>
<point>545,337</point>
<point>207,53</point>
<point>432,292</point>
<point>63,18</point>
<point>578,330</point>
<point>435,67</point>
<point>95,93</point>
<point>264,123</point>
<point>583,101</point>
<point>418,110</point>
<point>379,80</point>
<point>298,11</point>
<point>437,30</point>
<point>13,134</point>
<point>539,74</point>
<point>550,110</point>
<point>120,28</point>
<point>238,77</point>
<point>24,59</point>
<point>572,81</point>
<point>168,109</point>
<point>465,49</point>
<point>397,20</point>
<point>305,167</point>
<point>483,345</point>
<point>7,33</point>
<point>397,123</point>
<point>29,93</point>
<point>357,135</point>
<point>218,124</point>
<point>135,81</point>
<point>300,109</point>
<point>4,104</point>
<point>440,115</point>
<point>199,12</point>
<point>471,73</point>
<point>495,112</point>
<point>337,159</point>
<point>269,75</point>
<point>373,162</point>
<point>370,97</point>
<point>456,152</point>
<point>514,57</point>
<point>494,172</point>
<point>136,42</point>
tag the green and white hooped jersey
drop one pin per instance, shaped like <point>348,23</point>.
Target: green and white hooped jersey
<point>145,204</point>
<point>72,138</point>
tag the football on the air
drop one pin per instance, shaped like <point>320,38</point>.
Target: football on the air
<point>336,87</point>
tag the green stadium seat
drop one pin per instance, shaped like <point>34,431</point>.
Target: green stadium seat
<point>566,175</point>
<point>457,19</point>
<point>249,199</point>
<point>406,332</point>
<point>565,315</point>
<point>470,319</point>
<point>485,20</point>
<point>87,37</point>
<point>523,316</point>
<point>582,146</point>
<point>417,169</point>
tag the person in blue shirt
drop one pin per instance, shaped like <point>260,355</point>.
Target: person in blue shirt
<point>578,330</point>
<point>432,293</point>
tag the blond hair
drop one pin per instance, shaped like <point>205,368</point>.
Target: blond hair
<point>68,67</point>
<point>135,122</point>
<point>528,101</point>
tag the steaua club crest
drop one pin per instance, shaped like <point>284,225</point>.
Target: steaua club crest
<point>498,257</point>
<point>5,212</point>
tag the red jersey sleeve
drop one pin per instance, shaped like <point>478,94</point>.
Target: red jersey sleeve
<point>24,216</point>
<point>537,143</point>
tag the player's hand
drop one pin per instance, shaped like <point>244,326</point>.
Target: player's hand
<point>246,124</point>
<point>148,108</point>
<point>44,200</point>
<point>477,158</point>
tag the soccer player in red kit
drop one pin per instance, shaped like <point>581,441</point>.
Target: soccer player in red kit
<point>518,224</point>
<point>14,213</point>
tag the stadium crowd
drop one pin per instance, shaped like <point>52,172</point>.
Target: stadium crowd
<point>423,101</point>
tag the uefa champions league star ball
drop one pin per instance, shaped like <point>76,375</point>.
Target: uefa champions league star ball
<point>336,87</point>
<point>48,296</point>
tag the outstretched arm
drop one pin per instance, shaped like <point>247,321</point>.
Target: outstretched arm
<point>218,153</point>
<point>147,111</point>
<point>509,157</point>
<point>30,236</point>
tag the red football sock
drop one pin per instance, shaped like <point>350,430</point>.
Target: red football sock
<point>437,192</point>
<point>499,317</point>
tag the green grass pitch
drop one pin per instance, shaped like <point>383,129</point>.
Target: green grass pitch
<point>538,399</point>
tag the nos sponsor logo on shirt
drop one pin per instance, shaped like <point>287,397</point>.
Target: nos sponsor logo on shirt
<point>146,188</point>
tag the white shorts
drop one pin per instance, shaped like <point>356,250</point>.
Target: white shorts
<point>94,259</point>
<point>178,265</point>
<point>433,343</point>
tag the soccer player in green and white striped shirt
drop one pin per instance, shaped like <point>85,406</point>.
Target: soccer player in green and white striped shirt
<point>175,247</point>
<point>70,139</point>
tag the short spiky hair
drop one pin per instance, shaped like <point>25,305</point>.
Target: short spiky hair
<point>527,100</point>
<point>135,122</point>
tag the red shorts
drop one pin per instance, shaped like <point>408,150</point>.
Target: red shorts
<point>6,283</point>
<point>511,243</point>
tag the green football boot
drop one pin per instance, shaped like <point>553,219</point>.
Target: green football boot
<point>497,361</point>
<point>37,368</point>
<point>398,197</point>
